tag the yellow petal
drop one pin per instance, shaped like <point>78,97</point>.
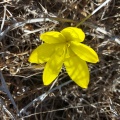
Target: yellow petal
<point>73,34</point>
<point>52,37</point>
<point>53,66</point>
<point>42,53</point>
<point>78,71</point>
<point>84,52</point>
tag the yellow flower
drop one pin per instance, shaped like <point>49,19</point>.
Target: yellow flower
<point>64,47</point>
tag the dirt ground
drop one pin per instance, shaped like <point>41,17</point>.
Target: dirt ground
<point>22,93</point>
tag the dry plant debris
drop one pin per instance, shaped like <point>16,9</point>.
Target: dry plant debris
<point>22,93</point>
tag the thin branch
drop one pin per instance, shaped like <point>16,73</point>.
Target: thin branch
<point>5,89</point>
<point>3,21</point>
<point>42,97</point>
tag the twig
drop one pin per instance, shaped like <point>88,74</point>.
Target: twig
<point>6,110</point>
<point>5,89</point>
<point>42,97</point>
<point>102,5</point>
<point>19,24</point>
<point>3,21</point>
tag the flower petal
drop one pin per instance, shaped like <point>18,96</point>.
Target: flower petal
<point>84,52</point>
<point>42,53</point>
<point>53,66</point>
<point>52,37</point>
<point>78,71</point>
<point>73,34</point>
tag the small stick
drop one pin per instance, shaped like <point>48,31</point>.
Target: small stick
<point>93,12</point>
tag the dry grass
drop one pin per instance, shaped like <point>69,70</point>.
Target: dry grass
<point>22,93</point>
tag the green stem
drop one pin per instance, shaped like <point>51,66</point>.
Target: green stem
<point>83,20</point>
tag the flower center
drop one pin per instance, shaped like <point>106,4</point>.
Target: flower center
<point>68,43</point>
